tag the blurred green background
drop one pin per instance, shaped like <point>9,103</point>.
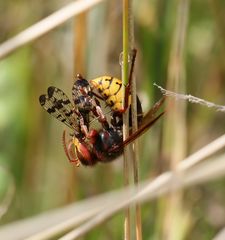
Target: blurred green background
<point>31,153</point>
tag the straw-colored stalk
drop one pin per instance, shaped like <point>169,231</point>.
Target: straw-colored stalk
<point>46,25</point>
<point>125,67</point>
<point>130,151</point>
<point>96,210</point>
<point>175,124</point>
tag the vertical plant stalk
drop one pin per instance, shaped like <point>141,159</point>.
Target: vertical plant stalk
<point>46,25</point>
<point>135,158</point>
<point>128,43</point>
<point>175,125</point>
<point>125,67</point>
<point>135,145</point>
<point>218,11</point>
<point>79,47</point>
<point>80,43</point>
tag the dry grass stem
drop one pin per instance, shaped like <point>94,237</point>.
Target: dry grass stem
<point>175,121</point>
<point>46,25</point>
<point>162,43</point>
<point>202,154</point>
<point>190,98</point>
<point>98,209</point>
<point>135,146</point>
<point>165,183</point>
<point>220,235</point>
<point>58,221</point>
<point>80,43</point>
<point>125,67</point>
<point>8,196</point>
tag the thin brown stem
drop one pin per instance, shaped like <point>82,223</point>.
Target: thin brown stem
<point>175,122</point>
<point>46,25</point>
<point>125,66</point>
<point>135,146</point>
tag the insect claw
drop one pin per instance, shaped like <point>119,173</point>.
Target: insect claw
<point>78,164</point>
<point>68,150</point>
<point>76,161</point>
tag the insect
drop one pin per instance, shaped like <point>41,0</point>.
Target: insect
<point>76,116</point>
<point>110,90</point>
<point>89,146</point>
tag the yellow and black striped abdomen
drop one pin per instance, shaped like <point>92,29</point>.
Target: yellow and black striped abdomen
<point>110,88</point>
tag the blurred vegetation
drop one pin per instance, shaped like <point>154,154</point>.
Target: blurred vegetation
<point>30,145</point>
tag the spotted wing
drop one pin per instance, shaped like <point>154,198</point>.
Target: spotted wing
<point>56,103</point>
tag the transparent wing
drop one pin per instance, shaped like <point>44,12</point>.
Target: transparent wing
<point>147,122</point>
<point>136,134</point>
<point>56,103</point>
<point>150,115</point>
